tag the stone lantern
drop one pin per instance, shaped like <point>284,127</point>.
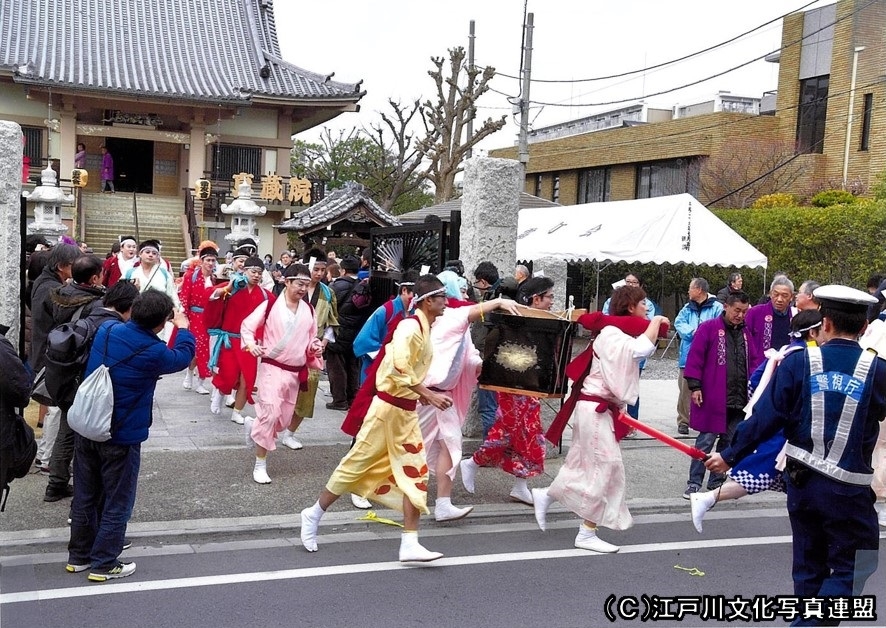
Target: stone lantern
<point>47,211</point>
<point>243,211</point>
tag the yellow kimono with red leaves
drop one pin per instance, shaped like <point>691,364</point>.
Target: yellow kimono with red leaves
<point>387,461</point>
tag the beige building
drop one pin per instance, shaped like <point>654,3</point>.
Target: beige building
<point>712,148</point>
<point>176,90</point>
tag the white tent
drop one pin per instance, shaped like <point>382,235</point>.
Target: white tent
<point>667,229</point>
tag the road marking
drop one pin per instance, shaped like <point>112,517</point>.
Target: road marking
<point>338,570</point>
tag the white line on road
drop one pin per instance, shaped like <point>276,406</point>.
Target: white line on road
<point>337,570</point>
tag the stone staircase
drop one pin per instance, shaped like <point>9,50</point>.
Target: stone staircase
<point>108,216</point>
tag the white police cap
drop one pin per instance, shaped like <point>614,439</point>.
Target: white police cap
<point>843,298</point>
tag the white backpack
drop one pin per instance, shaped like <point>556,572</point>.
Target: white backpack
<point>93,409</point>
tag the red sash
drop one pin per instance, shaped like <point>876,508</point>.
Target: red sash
<point>360,406</point>
<point>577,370</point>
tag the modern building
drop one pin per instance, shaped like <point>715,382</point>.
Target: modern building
<point>176,90</point>
<point>827,118</point>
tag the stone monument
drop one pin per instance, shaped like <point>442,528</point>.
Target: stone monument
<point>10,228</point>
<point>243,211</point>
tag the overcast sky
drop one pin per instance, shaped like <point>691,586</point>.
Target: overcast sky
<point>388,44</point>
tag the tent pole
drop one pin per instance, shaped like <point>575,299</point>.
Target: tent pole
<point>597,295</point>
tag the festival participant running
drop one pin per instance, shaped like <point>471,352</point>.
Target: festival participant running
<point>387,463</point>
<point>194,293</point>
<point>591,482</point>
<point>150,272</point>
<point>321,298</point>
<point>236,368</point>
<point>515,443</point>
<point>288,346</point>
<point>120,263</point>
<point>763,469</point>
<point>454,372</point>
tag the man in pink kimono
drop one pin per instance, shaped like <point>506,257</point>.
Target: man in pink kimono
<point>769,324</point>
<point>285,340</point>
<point>717,372</point>
<point>453,371</point>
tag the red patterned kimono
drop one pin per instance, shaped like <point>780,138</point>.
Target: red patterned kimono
<point>194,294</point>
<point>515,442</point>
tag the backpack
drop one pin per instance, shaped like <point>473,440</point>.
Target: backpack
<point>17,454</point>
<point>67,351</point>
<point>92,411</point>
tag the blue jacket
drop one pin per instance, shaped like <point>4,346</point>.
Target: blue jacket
<point>135,379</point>
<point>375,330</point>
<point>689,318</point>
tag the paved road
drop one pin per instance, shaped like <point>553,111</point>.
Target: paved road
<point>497,572</point>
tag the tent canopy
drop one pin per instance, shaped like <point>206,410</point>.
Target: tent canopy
<point>663,230</point>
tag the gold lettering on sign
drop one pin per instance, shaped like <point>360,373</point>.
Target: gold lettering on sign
<point>239,178</point>
<point>299,190</point>
<point>272,188</point>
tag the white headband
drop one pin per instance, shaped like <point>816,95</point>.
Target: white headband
<point>416,300</point>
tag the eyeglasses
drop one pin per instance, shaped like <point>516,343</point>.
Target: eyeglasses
<point>632,283</point>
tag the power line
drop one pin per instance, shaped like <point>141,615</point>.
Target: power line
<point>718,74</point>
<point>666,63</point>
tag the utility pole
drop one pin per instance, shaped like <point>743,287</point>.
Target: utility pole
<point>523,149</point>
<point>470,66</point>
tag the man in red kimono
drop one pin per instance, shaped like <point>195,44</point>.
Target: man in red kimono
<point>196,287</point>
<point>235,368</point>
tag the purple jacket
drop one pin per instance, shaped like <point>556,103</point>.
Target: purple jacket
<point>706,362</point>
<point>107,167</point>
<point>758,322</point>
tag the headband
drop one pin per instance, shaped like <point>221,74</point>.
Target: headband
<point>149,248</point>
<point>799,332</point>
<point>417,299</point>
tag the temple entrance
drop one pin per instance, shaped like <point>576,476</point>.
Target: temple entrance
<point>133,164</point>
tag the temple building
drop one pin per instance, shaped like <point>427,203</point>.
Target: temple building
<point>177,91</point>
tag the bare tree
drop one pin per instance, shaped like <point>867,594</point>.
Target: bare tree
<point>444,144</point>
<point>746,169</point>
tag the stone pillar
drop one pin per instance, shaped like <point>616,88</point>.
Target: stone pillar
<point>67,143</point>
<point>489,207</point>
<point>554,268</point>
<point>10,227</point>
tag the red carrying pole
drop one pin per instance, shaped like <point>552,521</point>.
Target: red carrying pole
<point>694,452</point>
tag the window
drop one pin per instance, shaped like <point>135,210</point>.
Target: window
<point>866,122</point>
<point>537,185</point>
<point>33,148</point>
<point>812,114</point>
<point>555,191</point>
<point>593,185</point>
<point>228,160</point>
<point>662,178</point>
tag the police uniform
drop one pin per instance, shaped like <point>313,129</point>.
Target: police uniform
<point>829,400</point>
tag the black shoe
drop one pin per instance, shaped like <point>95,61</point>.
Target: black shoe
<point>54,494</point>
<point>127,543</point>
<point>337,406</point>
<point>683,428</point>
<point>692,488</point>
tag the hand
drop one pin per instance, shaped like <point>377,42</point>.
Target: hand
<point>256,350</point>
<point>716,464</point>
<point>438,400</point>
<point>697,398</point>
<point>661,319</point>
<point>180,320</point>
<point>315,348</point>
<point>136,283</point>
<point>508,306</point>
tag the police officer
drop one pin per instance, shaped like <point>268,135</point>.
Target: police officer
<point>840,392</point>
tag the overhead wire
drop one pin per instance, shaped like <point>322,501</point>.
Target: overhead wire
<point>666,63</point>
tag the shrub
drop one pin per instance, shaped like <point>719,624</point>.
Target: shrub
<point>779,199</point>
<point>833,197</point>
